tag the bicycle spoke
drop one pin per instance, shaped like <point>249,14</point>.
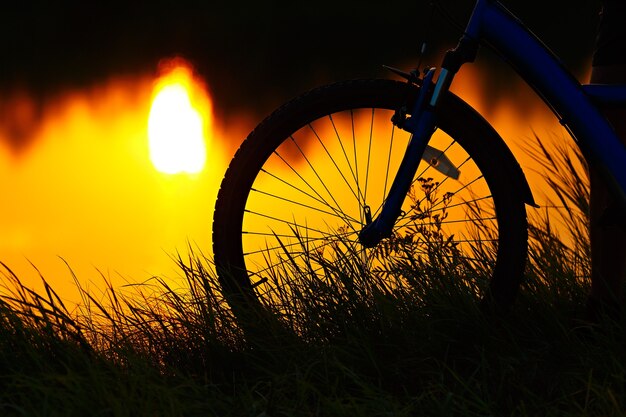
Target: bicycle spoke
<point>318,176</point>
<point>458,221</point>
<point>429,166</point>
<point>455,192</point>
<point>276,177</point>
<point>444,181</point>
<point>319,139</point>
<point>369,152</point>
<point>388,161</point>
<point>439,186</point>
<point>432,210</point>
<point>464,203</point>
<point>417,177</point>
<point>291,224</point>
<point>328,241</point>
<point>321,199</point>
<point>356,165</point>
<point>337,208</point>
<point>343,150</point>
<point>302,204</point>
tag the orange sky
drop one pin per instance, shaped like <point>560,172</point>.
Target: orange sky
<point>87,191</point>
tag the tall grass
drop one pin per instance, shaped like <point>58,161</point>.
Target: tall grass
<point>560,250</point>
<point>361,347</point>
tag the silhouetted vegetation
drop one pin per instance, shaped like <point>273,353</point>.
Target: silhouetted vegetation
<point>353,348</point>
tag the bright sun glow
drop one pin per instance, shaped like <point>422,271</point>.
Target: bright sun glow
<point>176,126</point>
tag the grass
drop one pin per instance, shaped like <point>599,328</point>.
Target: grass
<point>360,350</point>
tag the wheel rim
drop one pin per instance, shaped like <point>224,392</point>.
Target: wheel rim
<point>308,203</point>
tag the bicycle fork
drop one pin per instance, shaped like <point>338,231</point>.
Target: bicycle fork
<point>421,124</point>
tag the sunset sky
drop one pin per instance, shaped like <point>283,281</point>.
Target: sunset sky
<point>79,179</point>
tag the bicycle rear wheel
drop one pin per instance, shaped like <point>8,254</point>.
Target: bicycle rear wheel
<point>310,176</point>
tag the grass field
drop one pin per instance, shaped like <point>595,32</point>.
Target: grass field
<point>152,350</point>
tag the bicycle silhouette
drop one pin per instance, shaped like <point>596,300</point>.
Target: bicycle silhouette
<point>402,179</point>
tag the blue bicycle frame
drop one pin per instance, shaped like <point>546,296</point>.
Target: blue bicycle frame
<point>573,104</point>
<point>577,106</point>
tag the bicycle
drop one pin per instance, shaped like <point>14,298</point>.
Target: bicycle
<point>310,187</point>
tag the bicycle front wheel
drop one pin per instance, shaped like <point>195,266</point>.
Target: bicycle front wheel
<point>314,173</point>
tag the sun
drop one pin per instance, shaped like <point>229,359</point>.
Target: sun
<point>177,123</point>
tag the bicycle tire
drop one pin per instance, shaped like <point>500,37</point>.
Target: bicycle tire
<point>279,140</point>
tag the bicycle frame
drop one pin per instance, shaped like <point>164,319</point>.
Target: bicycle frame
<point>572,103</point>
<point>576,106</point>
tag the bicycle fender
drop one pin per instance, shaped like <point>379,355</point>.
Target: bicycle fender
<point>452,104</point>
